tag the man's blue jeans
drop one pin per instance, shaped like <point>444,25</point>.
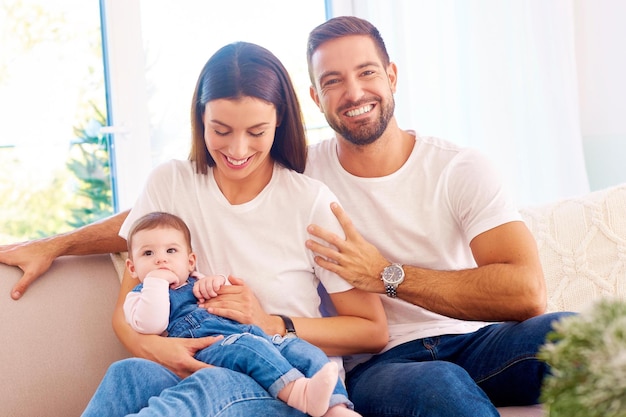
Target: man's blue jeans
<point>455,375</point>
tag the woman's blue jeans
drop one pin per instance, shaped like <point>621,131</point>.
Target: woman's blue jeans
<point>135,384</point>
<point>139,387</point>
<point>455,375</point>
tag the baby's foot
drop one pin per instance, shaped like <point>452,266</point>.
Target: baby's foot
<point>341,410</point>
<point>312,395</point>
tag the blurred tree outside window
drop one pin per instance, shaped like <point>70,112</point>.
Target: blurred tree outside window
<point>54,163</point>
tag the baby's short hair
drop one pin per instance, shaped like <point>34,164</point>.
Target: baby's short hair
<point>157,220</point>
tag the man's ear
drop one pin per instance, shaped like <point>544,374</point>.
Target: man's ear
<point>315,97</point>
<point>392,74</point>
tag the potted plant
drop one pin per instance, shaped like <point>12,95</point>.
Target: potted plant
<point>587,356</point>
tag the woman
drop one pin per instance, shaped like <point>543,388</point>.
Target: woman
<point>244,197</point>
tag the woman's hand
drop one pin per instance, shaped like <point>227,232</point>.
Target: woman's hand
<point>238,302</point>
<point>176,354</point>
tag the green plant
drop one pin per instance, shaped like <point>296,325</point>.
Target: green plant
<point>587,356</point>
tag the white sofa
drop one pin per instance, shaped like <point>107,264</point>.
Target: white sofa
<point>57,341</point>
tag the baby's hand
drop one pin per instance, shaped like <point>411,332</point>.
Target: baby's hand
<point>167,275</point>
<point>207,287</point>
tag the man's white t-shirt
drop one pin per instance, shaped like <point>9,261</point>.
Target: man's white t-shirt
<point>425,214</point>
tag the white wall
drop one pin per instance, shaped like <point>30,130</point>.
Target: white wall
<point>600,32</point>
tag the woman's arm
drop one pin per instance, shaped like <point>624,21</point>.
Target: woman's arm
<point>360,327</point>
<point>35,257</point>
<point>173,353</point>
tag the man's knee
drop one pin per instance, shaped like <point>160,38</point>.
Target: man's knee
<point>434,388</point>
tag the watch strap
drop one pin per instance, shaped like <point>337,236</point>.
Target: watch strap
<point>290,329</point>
<point>391,290</point>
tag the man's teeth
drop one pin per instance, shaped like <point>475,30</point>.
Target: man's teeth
<point>236,161</point>
<point>359,111</point>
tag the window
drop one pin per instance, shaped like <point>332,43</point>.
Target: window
<point>53,160</point>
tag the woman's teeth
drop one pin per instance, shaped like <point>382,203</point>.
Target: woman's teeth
<point>236,161</point>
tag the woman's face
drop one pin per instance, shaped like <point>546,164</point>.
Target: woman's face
<point>239,135</point>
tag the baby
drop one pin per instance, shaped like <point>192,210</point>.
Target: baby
<point>161,257</point>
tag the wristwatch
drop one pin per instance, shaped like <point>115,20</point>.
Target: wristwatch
<point>392,276</point>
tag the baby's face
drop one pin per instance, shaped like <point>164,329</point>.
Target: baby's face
<point>161,248</point>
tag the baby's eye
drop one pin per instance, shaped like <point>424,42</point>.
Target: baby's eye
<point>148,253</point>
<point>172,250</point>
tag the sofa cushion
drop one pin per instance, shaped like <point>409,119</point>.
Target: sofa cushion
<point>57,341</point>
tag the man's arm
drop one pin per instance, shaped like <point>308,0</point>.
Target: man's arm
<point>508,283</point>
<point>35,257</point>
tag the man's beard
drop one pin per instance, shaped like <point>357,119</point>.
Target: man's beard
<point>366,133</point>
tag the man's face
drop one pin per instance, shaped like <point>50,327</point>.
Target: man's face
<point>353,89</point>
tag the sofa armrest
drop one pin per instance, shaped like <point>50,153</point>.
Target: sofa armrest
<point>57,341</point>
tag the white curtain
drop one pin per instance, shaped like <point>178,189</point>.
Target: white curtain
<point>498,76</point>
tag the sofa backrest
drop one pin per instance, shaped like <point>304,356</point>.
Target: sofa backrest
<point>582,245</point>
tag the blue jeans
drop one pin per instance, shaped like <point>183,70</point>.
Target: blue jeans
<point>271,361</point>
<point>134,384</point>
<point>139,387</point>
<point>455,375</point>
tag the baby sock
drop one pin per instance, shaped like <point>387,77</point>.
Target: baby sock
<point>341,410</point>
<point>311,395</point>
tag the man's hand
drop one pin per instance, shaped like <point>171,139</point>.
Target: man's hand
<point>354,259</point>
<point>33,258</point>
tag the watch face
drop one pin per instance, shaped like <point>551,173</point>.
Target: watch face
<point>393,274</point>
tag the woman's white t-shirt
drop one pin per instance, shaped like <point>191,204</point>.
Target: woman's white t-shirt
<point>261,241</point>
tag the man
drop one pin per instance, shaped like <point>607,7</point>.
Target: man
<point>432,220</point>
<point>437,234</point>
